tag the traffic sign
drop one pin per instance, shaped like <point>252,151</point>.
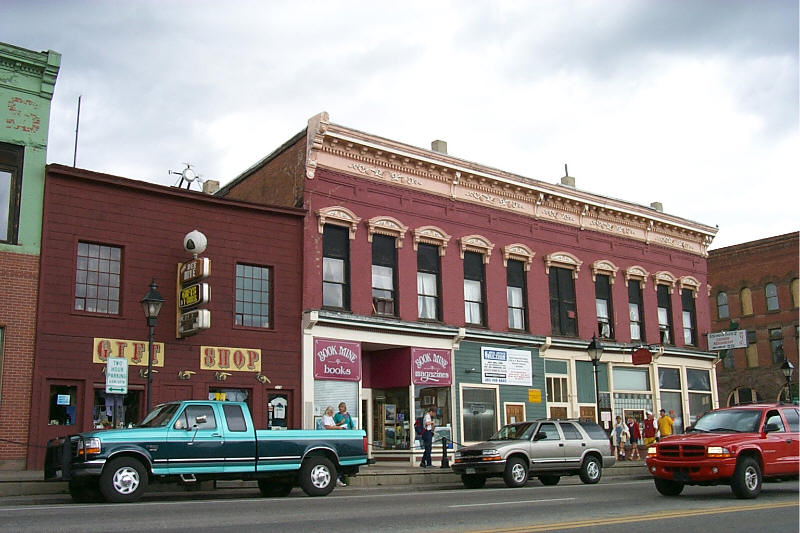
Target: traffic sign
<point>725,340</point>
<point>116,375</point>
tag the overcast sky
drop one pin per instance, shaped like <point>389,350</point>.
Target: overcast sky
<point>690,103</point>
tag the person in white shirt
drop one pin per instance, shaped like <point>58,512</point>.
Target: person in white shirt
<point>427,437</point>
<point>327,419</point>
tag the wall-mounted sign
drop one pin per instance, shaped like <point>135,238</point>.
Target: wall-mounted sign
<point>135,352</point>
<point>726,340</point>
<point>535,395</point>
<point>194,295</point>
<point>192,322</point>
<point>641,356</point>
<point>194,270</point>
<point>231,359</point>
<point>116,375</point>
<point>505,366</point>
<point>430,367</point>
<point>335,359</point>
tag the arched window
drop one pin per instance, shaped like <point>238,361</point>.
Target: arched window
<point>743,395</point>
<point>772,297</point>
<point>746,300</point>
<point>722,305</point>
<point>794,293</point>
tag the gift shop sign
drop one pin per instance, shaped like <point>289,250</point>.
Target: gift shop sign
<point>233,359</point>
<point>335,359</point>
<point>430,367</point>
<point>135,352</point>
<point>506,366</point>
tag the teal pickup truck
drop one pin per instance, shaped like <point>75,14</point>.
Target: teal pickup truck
<point>193,441</point>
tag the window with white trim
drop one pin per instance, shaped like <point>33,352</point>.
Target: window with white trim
<point>516,295</point>
<point>428,282</point>
<point>335,267</point>
<point>605,311</point>
<point>11,157</point>
<point>474,289</point>
<point>97,278</point>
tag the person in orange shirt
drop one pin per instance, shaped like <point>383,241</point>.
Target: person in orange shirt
<point>664,424</point>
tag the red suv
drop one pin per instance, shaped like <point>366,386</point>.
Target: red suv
<point>737,445</point>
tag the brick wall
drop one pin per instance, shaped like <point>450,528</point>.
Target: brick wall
<point>19,275</point>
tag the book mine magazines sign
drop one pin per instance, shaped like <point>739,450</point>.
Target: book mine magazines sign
<point>335,359</point>
<point>430,367</point>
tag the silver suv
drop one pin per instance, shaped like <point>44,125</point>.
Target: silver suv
<point>548,449</point>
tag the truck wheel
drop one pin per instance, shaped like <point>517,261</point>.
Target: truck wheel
<point>516,474</point>
<point>123,480</point>
<point>667,487</point>
<point>550,480</point>
<point>274,489</point>
<point>591,470</point>
<point>746,481</point>
<point>85,491</point>
<point>317,476</point>
<point>473,481</point>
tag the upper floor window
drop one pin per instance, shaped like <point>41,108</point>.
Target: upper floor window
<point>635,310</point>
<point>563,313</point>
<point>474,287</point>
<point>97,278</point>
<point>772,297</point>
<point>722,305</point>
<point>605,312</point>
<point>253,290</point>
<point>776,345</point>
<point>384,267</point>
<point>746,301</point>
<point>428,282</point>
<point>793,287</point>
<point>751,352</point>
<point>335,267</point>
<point>11,157</point>
<point>516,295</point>
<point>664,314</point>
<point>688,317</point>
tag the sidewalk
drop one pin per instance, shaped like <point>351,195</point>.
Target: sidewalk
<point>30,482</point>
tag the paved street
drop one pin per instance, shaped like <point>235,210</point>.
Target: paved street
<point>611,506</point>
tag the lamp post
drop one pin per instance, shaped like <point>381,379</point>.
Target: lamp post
<point>787,368</point>
<point>595,350</point>
<point>151,304</point>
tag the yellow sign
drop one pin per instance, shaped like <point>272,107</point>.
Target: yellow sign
<point>231,359</point>
<point>136,352</point>
<point>535,395</point>
<point>194,295</point>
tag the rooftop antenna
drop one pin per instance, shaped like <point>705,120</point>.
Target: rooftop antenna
<point>187,175</point>
<point>77,126</point>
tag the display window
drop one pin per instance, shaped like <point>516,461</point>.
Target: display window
<point>229,395</point>
<point>439,398</point>
<point>63,404</point>
<point>116,410</point>
<point>393,426</point>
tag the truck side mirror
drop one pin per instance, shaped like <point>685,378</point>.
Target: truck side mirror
<point>771,427</point>
<point>540,436</point>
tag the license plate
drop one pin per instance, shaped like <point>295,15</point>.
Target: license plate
<point>680,476</point>
<point>469,470</point>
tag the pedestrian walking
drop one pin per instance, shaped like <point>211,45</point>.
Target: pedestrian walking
<point>636,437</point>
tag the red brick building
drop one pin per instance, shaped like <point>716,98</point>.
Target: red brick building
<point>436,281</point>
<point>105,239</point>
<point>754,286</point>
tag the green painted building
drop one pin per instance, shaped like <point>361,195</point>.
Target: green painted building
<point>27,81</point>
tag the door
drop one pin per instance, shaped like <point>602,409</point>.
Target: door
<point>779,447</point>
<point>515,412</point>
<point>63,409</point>
<point>195,442</point>
<point>547,448</point>
<point>574,444</point>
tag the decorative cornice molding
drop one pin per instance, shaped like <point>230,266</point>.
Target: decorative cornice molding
<point>431,235</point>
<point>340,216</point>
<point>520,252</point>
<point>28,71</point>
<point>390,226</point>
<point>375,158</point>
<point>564,260</point>
<point>478,244</point>
<point>663,277</point>
<point>604,266</point>
<point>691,283</point>
<point>638,273</point>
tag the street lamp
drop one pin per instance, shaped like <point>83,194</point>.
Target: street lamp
<point>787,368</point>
<point>595,350</point>
<point>151,303</point>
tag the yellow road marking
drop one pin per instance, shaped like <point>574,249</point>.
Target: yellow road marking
<point>659,515</point>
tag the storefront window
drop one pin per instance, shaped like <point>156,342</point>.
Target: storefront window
<point>115,410</point>
<point>392,424</point>
<point>63,400</point>
<point>699,382</point>
<point>439,398</point>
<point>229,395</point>
<point>631,379</point>
<point>669,378</point>
<point>479,413</point>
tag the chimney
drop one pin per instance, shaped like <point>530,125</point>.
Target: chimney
<point>658,206</point>
<point>439,146</point>
<point>210,186</point>
<point>567,180</point>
